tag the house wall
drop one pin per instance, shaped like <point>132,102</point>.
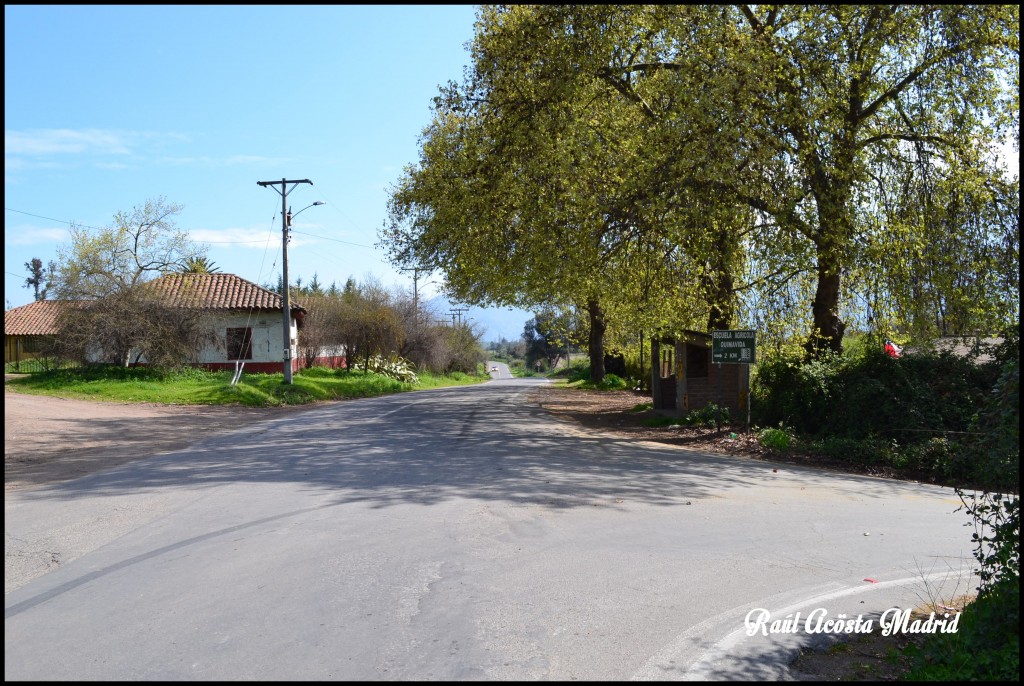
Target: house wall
<point>267,342</point>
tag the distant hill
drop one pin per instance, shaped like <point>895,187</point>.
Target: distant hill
<point>496,322</point>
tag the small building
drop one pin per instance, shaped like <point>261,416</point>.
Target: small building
<point>247,319</point>
<point>683,377</point>
<point>27,328</point>
<point>248,322</point>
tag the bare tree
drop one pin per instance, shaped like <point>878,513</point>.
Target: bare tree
<point>140,246</point>
<point>132,326</point>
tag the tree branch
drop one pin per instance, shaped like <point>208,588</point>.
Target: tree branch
<point>910,137</point>
<point>606,75</point>
<point>751,19</point>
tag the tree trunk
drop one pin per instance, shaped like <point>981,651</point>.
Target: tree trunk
<point>721,298</point>
<point>595,344</point>
<point>833,235</point>
<point>827,335</point>
<point>719,285</point>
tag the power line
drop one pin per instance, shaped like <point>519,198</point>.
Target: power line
<point>336,240</point>
<point>60,221</point>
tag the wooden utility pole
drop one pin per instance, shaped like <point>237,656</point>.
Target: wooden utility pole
<point>285,225</point>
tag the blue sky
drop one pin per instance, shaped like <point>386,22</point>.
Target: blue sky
<point>106,107</point>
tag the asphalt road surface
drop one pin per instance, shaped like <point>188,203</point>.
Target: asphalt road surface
<point>457,534</point>
<point>499,370</point>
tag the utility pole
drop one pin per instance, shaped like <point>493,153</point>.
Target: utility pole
<point>415,294</point>
<point>457,313</point>
<point>285,225</point>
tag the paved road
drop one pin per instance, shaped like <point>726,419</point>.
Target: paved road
<point>499,370</point>
<point>455,534</point>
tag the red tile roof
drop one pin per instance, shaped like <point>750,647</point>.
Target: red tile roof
<point>35,319</point>
<point>207,291</point>
<point>218,292</point>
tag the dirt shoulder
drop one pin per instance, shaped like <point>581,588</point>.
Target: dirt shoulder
<point>49,440</point>
<point>611,412</point>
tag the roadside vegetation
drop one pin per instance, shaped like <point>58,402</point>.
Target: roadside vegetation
<point>201,387</point>
<point>911,417</point>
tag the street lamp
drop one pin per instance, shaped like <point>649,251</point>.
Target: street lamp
<point>287,317</point>
<point>292,216</point>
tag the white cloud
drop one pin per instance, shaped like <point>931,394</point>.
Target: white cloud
<point>66,141</point>
<point>32,235</point>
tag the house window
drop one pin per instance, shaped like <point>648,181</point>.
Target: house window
<point>239,344</point>
<point>696,361</point>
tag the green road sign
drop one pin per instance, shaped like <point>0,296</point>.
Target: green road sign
<point>733,347</point>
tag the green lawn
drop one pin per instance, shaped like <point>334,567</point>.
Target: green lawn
<point>198,387</point>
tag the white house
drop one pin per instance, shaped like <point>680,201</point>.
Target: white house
<point>248,323</point>
<point>248,320</point>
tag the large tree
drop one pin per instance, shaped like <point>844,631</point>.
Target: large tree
<point>538,188</point>
<point>794,104</point>
<point>585,132</point>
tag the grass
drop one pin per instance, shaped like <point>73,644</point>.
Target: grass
<point>199,387</point>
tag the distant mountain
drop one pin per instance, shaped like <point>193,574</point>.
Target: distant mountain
<point>495,322</point>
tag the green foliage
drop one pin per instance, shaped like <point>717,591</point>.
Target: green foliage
<point>912,415</point>
<point>912,399</point>
<point>831,156</point>
<point>611,382</point>
<point>986,646</point>
<point>856,451</point>
<point>579,375</point>
<point>775,439</point>
<point>708,416</point>
<point>993,640</point>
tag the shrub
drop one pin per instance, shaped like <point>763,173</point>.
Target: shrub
<point>707,416</point>
<point>987,647</point>
<point>612,382</point>
<point>868,451</point>
<point>912,399</point>
<point>393,367</point>
<point>775,439</point>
